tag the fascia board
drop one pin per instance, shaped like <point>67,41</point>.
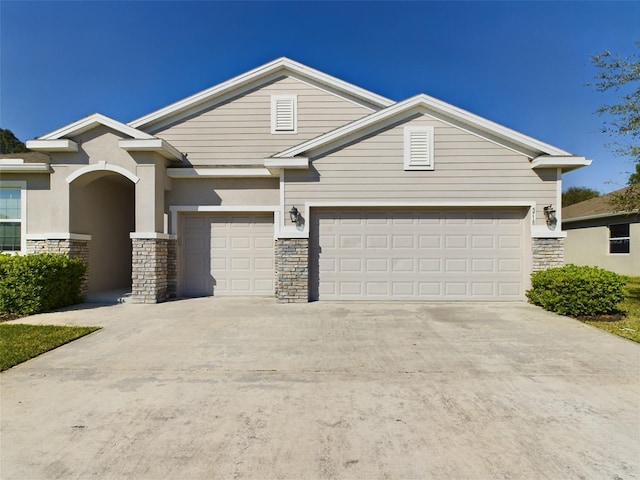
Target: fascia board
<point>92,121</point>
<point>597,216</point>
<point>488,125</point>
<point>62,145</point>
<point>299,163</point>
<point>429,106</point>
<point>566,163</point>
<point>157,145</point>
<point>204,172</point>
<point>335,83</point>
<point>248,80</point>
<point>25,168</point>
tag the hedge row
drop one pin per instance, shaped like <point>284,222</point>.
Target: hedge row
<point>578,290</point>
<point>39,283</point>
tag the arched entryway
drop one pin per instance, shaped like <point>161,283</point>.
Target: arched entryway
<point>102,204</point>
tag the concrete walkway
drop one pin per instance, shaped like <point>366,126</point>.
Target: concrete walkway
<point>236,388</point>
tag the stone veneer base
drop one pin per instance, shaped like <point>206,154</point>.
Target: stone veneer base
<point>73,248</point>
<point>153,269</point>
<point>292,270</point>
<point>547,253</point>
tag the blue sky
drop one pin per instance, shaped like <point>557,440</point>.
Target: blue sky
<point>521,64</point>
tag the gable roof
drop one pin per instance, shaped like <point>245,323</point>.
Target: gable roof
<point>92,121</point>
<point>424,104</point>
<point>56,141</point>
<point>252,79</point>
<point>592,208</point>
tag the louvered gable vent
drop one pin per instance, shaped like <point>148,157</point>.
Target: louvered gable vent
<point>283,114</point>
<point>418,148</point>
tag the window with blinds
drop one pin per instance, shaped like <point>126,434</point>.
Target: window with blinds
<point>418,148</point>
<point>619,238</point>
<point>10,219</point>
<point>284,113</point>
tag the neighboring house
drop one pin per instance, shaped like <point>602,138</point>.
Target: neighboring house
<point>598,236</point>
<point>396,200</point>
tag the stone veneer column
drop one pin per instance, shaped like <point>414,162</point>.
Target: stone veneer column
<point>172,268</point>
<point>149,269</point>
<point>72,247</point>
<point>292,270</point>
<point>547,253</point>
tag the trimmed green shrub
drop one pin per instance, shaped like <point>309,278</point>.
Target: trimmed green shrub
<point>577,290</point>
<point>39,283</point>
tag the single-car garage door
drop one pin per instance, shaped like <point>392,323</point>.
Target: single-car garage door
<point>227,255</point>
<point>451,254</point>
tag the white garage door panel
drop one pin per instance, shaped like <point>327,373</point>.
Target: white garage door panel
<point>227,255</point>
<point>404,255</point>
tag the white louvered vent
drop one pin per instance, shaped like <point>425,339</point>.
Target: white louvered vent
<point>283,114</point>
<point>418,148</point>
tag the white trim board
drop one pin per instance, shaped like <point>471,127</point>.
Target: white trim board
<point>91,121</point>
<point>158,145</point>
<point>152,236</point>
<point>62,145</point>
<point>100,166</point>
<point>209,172</point>
<point>25,168</point>
<point>58,236</point>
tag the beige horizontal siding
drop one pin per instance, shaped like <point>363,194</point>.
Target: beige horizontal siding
<point>239,131</point>
<point>466,168</point>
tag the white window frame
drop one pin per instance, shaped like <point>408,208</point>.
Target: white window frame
<point>294,101</point>
<point>22,185</point>
<point>628,239</point>
<point>410,163</point>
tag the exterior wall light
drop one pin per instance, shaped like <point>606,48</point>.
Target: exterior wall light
<point>550,214</point>
<point>294,215</point>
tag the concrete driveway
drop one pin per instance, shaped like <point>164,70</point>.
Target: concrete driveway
<point>237,388</point>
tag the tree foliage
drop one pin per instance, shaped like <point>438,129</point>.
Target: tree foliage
<point>621,74</point>
<point>577,194</point>
<point>9,143</point>
<point>634,178</point>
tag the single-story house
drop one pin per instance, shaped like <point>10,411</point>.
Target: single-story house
<point>287,181</point>
<point>597,235</point>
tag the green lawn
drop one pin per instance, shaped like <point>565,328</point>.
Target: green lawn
<point>629,326</point>
<point>20,342</point>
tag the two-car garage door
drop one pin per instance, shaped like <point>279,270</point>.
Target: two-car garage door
<point>451,254</point>
<point>364,254</point>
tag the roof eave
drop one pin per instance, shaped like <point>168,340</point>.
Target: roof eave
<point>565,162</point>
<point>25,168</point>
<point>157,145</point>
<point>597,216</point>
<point>60,145</point>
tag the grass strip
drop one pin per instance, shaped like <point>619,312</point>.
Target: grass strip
<point>20,342</point>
